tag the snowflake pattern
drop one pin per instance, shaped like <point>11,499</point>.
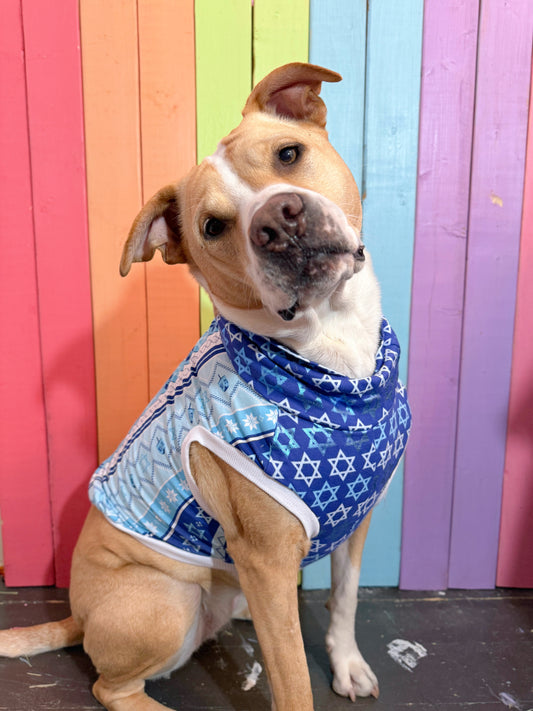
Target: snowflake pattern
<point>333,440</point>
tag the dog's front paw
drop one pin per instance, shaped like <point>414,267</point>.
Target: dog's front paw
<point>352,676</point>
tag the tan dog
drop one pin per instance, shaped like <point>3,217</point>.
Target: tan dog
<point>270,226</point>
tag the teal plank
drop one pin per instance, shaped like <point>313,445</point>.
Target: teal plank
<point>373,122</point>
<point>337,40</point>
<point>394,48</point>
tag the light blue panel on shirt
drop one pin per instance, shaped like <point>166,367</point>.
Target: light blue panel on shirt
<point>394,52</point>
<point>389,123</point>
<point>337,40</point>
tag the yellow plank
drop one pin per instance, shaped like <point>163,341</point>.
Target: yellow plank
<point>110,87</point>
<point>168,138</point>
<point>223,78</point>
<point>281,34</point>
<point>223,68</point>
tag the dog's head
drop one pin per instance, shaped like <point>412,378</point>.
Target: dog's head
<point>270,223</point>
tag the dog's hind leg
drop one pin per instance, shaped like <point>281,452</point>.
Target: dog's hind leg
<point>141,612</point>
<point>352,676</point>
<point>146,636</point>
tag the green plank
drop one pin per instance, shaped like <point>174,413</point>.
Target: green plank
<point>223,36</point>
<point>280,34</point>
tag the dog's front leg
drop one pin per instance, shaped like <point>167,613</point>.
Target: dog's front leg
<point>267,544</point>
<point>270,585</point>
<point>352,676</point>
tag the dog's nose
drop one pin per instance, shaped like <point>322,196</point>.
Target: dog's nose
<point>278,222</point>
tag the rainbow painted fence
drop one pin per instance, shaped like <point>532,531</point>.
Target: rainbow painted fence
<point>104,102</point>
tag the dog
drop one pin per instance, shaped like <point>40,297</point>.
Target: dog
<point>272,441</point>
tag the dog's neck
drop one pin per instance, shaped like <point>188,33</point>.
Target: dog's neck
<point>342,333</point>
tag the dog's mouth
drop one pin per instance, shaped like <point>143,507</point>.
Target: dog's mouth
<point>289,314</point>
<point>315,270</point>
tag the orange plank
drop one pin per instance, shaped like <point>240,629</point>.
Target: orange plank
<point>168,137</point>
<point>24,498</point>
<point>112,125</point>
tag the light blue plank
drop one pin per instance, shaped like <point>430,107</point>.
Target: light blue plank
<point>394,44</point>
<point>391,40</point>
<point>337,38</point>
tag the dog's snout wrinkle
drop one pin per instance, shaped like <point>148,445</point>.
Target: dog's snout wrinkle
<point>279,222</point>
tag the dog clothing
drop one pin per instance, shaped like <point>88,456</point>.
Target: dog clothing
<point>323,445</point>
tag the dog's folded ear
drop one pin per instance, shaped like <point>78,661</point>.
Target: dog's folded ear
<point>292,91</point>
<point>157,226</point>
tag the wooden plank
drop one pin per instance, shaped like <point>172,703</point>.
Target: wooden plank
<point>55,116</point>
<point>515,561</point>
<point>223,80</point>
<point>346,21</point>
<point>394,42</point>
<point>24,499</point>
<point>111,97</point>
<point>447,100</point>
<point>280,34</point>
<point>168,137</point>
<point>502,92</point>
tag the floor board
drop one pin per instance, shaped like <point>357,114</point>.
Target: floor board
<point>479,656</point>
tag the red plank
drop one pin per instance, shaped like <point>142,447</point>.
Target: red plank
<point>55,116</point>
<point>515,563</point>
<point>24,500</point>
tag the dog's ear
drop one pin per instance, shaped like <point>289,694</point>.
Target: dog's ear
<point>157,226</point>
<point>292,91</point>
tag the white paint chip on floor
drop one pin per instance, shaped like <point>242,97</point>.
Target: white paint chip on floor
<point>252,677</point>
<point>406,654</point>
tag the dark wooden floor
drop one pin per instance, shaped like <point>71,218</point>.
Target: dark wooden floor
<point>479,656</point>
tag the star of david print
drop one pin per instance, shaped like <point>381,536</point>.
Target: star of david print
<point>333,441</point>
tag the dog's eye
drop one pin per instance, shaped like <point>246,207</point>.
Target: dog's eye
<point>213,228</point>
<point>289,154</point>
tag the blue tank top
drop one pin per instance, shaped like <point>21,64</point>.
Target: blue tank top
<point>322,444</point>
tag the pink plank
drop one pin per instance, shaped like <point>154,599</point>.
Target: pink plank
<point>447,104</point>
<point>502,93</point>
<point>55,111</point>
<point>24,500</point>
<point>515,562</point>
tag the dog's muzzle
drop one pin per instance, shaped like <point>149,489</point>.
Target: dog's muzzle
<point>302,244</point>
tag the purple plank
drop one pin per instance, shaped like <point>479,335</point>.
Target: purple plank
<point>447,104</point>
<point>502,93</point>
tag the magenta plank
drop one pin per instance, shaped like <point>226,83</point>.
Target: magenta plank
<point>515,558</point>
<point>24,499</point>
<point>502,93</point>
<point>447,106</point>
<point>55,115</point>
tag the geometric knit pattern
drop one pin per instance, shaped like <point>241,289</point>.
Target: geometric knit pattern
<point>333,440</point>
